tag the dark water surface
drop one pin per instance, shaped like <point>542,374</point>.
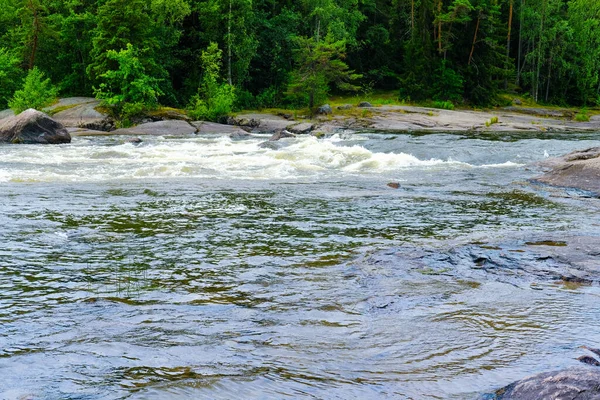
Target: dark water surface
<point>205,268</point>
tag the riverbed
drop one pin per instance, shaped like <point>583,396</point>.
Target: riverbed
<point>213,268</point>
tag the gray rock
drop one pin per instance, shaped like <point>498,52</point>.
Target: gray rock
<point>365,104</point>
<point>345,107</point>
<point>324,110</point>
<point>281,135</point>
<point>86,132</point>
<point>579,170</point>
<point>272,145</point>
<point>160,128</point>
<point>212,128</point>
<point>6,114</point>
<point>33,127</point>
<point>517,102</point>
<point>301,129</point>
<point>240,135</point>
<point>134,140</point>
<point>82,113</point>
<point>569,384</point>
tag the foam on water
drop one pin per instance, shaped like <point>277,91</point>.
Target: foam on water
<point>217,158</point>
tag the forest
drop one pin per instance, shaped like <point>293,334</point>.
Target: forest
<point>215,56</point>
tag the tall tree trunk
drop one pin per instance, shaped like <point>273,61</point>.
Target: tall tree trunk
<point>548,83</point>
<point>229,80</point>
<point>439,32</point>
<point>510,15</point>
<point>474,38</point>
<point>539,51</point>
<point>520,44</point>
<point>36,33</point>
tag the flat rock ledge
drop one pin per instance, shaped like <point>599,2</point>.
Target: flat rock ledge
<point>578,170</point>
<point>33,127</point>
<point>568,384</point>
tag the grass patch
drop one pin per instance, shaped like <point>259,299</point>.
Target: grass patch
<point>492,121</point>
<point>582,116</point>
<point>444,105</point>
<point>56,110</point>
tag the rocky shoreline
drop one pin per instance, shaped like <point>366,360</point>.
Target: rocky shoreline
<point>83,116</point>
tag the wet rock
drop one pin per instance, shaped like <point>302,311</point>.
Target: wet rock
<point>301,129</point>
<point>569,384</point>
<point>212,128</point>
<point>33,127</point>
<point>324,110</point>
<point>134,140</point>
<point>365,104</point>
<point>239,135</point>
<point>394,185</point>
<point>579,170</point>
<point>281,135</point>
<point>271,145</point>
<point>160,128</point>
<point>589,360</point>
<point>512,262</point>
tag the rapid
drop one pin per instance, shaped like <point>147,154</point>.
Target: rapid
<point>211,268</point>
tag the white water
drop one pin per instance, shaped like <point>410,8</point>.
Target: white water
<point>91,160</point>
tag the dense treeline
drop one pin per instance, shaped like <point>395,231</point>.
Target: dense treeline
<point>218,54</point>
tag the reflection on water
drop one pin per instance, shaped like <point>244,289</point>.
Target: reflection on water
<point>238,272</point>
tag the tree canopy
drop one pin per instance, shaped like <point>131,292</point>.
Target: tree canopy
<point>278,52</point>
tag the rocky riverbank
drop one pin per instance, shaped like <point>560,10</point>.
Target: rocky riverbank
<point>84,116</point>
<point>578,170</point>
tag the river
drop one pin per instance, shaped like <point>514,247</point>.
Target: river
<point>210,268</point>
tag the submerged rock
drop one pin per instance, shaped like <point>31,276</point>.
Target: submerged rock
<point>33,127</point>
<point>281,135</point>
<point>579,170</point>
<point>569,384</point>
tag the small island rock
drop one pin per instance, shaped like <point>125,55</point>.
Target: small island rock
<point>33,127</point>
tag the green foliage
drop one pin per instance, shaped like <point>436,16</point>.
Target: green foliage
<point>37,93</point>
<point>10,75</point>
<point>582,116</point>
<point>318,65</point>
<point>428,50</point>
<point>447,84</point>
<point>444,105</point>
<point>492,121</point>
<point>127,89</point>
<point>214,99</point>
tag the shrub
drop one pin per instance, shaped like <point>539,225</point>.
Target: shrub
<point>37,93</point>
<point>128,90</point>
<point>492,121</point>
<point>582,116</point>
<point>210,108</point>
<point>444,105</point>
<point>214,99</point>
<point>267,98</point>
